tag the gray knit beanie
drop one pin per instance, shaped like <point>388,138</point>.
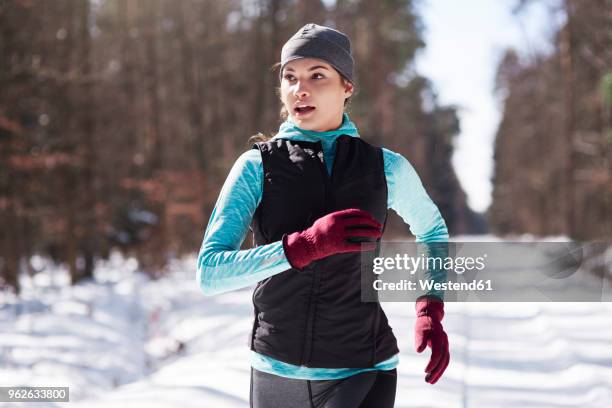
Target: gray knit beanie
<point>327,44</point>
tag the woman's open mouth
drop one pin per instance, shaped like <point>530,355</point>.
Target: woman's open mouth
<point>303,110</point>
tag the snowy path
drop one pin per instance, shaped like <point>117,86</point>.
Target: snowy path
<point>163,344</point>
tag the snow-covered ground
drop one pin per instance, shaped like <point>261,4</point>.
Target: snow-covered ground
<point>123,340</point>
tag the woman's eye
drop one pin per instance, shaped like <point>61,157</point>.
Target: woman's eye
<point>316,75</point>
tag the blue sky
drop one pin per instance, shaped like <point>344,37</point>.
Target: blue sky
<point>465,40</point>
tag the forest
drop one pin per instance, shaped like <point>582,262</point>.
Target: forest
<point>120,119</point>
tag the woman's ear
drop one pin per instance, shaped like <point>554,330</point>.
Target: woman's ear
<point>348,88</point>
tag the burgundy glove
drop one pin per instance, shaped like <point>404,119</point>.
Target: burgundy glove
<point>428,331</point>
<point>349,230</point>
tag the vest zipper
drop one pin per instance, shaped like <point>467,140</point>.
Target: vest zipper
<point>316,272</point>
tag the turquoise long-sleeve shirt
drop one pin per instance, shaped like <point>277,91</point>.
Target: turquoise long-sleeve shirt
<point>223,267</point>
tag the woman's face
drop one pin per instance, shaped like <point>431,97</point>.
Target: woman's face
<point>315,85</point>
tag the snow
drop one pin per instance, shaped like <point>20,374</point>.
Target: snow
<point>124,340</point>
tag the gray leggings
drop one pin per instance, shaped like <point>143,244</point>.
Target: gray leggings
<point>371,389</point>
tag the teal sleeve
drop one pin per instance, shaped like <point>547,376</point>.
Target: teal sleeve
<point>408,198</point>
<point>222,266</point>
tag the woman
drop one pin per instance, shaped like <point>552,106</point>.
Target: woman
<point>317,197</point>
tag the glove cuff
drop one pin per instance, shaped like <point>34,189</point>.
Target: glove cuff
<point>297,250</point>
<point>430,306</point>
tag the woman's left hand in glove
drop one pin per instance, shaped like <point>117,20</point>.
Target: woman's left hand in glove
<point>428,331</point>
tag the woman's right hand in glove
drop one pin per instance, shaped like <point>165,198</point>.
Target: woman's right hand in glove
<point>350,230</point>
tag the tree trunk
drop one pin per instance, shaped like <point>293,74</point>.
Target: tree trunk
<point>569,122</point>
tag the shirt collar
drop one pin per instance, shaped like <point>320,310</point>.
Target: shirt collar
<point>289,130</point>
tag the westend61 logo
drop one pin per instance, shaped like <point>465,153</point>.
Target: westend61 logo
<point>413,264</point>
<point>432,265</point>
<point>498,271</point>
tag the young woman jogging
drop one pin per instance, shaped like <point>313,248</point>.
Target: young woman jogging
<point>315,196</point>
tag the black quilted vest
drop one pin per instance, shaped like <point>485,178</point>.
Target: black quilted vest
<point>315,317</point>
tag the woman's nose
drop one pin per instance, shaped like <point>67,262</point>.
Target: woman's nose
<point>300,90</point>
